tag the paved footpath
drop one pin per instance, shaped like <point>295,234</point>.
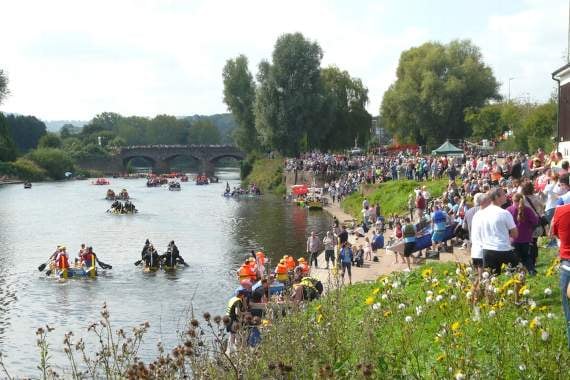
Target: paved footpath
<point>387,259</point>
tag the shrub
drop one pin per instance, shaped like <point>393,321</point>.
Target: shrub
<point>55,161</point>
<point>29,170</point>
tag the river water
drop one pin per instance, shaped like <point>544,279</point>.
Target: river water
<point>213,235</point>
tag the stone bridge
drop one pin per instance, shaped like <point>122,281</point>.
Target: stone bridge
<point>161,155</point>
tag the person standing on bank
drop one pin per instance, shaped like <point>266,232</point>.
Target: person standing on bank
<point>345,257</point>
<point>313,245</point>
<point>497,229</point>
<point>329,243</point>
<point>560,228</point>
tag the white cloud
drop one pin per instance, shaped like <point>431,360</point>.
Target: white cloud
<point>73,59</point>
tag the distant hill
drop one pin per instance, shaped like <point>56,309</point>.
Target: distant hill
<point>225,123</point>
<point>55,125</point>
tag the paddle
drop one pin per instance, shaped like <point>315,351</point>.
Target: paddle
<point>44,265</point>
<point>102,264</point>
<point>138,262</point>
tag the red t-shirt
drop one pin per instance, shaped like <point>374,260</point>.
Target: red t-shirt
<point>561,228</point>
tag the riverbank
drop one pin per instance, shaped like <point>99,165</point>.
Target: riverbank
<point>386,259</point>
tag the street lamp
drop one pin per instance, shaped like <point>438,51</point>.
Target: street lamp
<point>509,97</point>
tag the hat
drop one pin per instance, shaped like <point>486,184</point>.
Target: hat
<point>302,260</point>
<point>282,261</point>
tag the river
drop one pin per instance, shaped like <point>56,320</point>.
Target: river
<point>213,235</point>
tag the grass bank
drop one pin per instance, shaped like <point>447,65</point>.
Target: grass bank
<point>392,196</point>
<point>267,174</point>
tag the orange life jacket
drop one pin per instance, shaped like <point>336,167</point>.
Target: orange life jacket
<point>244,272</point>
<point>62,261</point>
<point>281,272</point>
<point>290,262</point>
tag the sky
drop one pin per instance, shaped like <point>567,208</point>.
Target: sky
<point>71,60</point>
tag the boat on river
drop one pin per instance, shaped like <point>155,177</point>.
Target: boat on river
<point>73,272</point>
<point>424,240</point>
<point>174,186</point>
<point>101,181</point>
<point>27,185</point>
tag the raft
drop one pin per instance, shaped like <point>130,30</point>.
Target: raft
<point>314,205</point>
<point>74,272</point>
<point>276,287</point>
<point>424,241</point>
<point>150,269</point>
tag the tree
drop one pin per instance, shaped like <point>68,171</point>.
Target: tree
<point>487,122</point>
<point>435,84</point>
<point>540,127</point>
<point>7,146</point>
<point>239,96</point>
<point>203,132</point>
<point>343,116</point>
<point>26,131</point>
<point>50,140</point>
<point>289,97</point>
<point>3,86</point>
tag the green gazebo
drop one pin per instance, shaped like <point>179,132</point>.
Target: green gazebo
<point>447,148</point>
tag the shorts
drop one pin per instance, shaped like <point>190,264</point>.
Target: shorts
<point>409,248</point>
<point>477,263</point>
<point>347,267</point>
<point>437,236</point>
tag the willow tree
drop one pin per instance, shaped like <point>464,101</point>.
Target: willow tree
<point>435,84</point>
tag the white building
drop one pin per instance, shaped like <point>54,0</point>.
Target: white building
<point>562,76</point>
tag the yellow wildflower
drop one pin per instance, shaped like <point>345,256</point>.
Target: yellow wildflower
<point>427,272</point>
<point>265,322</point>
<point>440,357</point>
<point>533,324</point>
<point>375,291</point>
<point>522,290</point>
<point>319,318</point>
<point>369,301</point>
<point>455,326</point>
<point>387,313</point>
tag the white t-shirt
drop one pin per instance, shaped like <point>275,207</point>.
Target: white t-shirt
<point>475,232</point>
<point>494,228</point>
<point>552,191</point>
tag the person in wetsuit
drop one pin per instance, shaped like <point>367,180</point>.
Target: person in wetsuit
<point>172,255</point>
<point>151,257</point>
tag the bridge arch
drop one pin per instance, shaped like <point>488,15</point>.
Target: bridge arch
<point>148,158</point>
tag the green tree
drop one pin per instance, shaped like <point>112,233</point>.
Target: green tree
<point>3,86</point>
<point>239,96</point>
<point>164,129</point>
<point>50,140</point>
<point>540,127</point>
<point>487,122</point>
<point>435,84</point>
<point>343,116</point>
<point>7,146</point>
<point>289,97</point>
<point>203,132</point>
<point>55,161</point>
<point>26,131</point>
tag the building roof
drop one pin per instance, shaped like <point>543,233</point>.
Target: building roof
<point>561,70</point>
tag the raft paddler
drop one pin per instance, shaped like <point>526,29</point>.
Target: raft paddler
<point>151,257</point>
<point>281,271</point>
<point>88,257</point>
<point>290,262</point>
<point>145,248</point>
<point>246,272</point>
<point>304,267</point>
<point>172,255</point>
<point>62,259</point>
